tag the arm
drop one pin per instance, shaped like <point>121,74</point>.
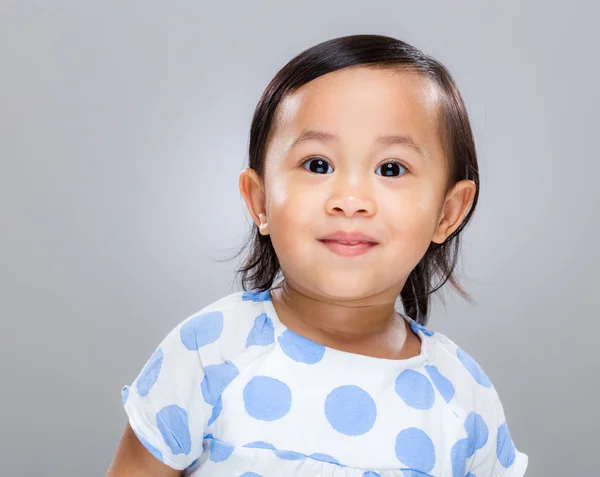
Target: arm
<point>168,405</point>
<point>132,459</point>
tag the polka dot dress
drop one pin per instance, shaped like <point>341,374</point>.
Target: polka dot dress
<point>232,392</point>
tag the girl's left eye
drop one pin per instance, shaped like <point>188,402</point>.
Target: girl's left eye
<point>391,169</point>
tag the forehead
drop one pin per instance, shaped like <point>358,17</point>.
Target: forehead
<point>360,103</point>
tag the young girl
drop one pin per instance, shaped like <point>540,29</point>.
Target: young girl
<point>362,175</point>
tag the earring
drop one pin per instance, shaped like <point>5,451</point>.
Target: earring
<point>263,227</point>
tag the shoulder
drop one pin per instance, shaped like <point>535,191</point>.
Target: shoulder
<point>223,329</point>
<point>182,382</point>
<point>470,392</point>
<point>239,307</point>
<point>447,353</point>
<point>450,361</point>
<point>227,316</point>
<point>476,402</point>
<point>471,385</point>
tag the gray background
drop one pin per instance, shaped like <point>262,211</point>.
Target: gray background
<point>124,126</point>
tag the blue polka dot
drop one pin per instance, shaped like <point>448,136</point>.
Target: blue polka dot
<point>172,422</point>
<point>256,296</point>
<point>201,330</point>
<point>220,451</point>
<point>262,334</point>
<point>415,449</point>
<point>350,410</point>
<point>416,327</point>
<point>442,383</point>
<point>300,349</point>
<point>477,431</point>
<point>282,454</point>
<point>124,394</point>
<point>415,389</point>
<point>260,445</point>
<point>505,447</point>
<point>371,474</point>
<point>458,456</point>
<point>149,374</point>
<point>250,474</point>
<point>289,455</point>
<point>473,368</point>
<point>216,378</point>
<point>324,458</point>
<point>267,399</point>
<point>216,411</point>
<point>153,450</point>
<point>469,474</point>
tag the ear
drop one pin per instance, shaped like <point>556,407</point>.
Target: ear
<point>456,206</point>
<point>252,190</point>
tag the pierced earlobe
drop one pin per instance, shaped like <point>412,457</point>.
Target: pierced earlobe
<point>264,226</point>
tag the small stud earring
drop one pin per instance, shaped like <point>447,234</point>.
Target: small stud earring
<point>263,227</point>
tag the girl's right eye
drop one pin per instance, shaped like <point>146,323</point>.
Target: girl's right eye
<point>317,165</point>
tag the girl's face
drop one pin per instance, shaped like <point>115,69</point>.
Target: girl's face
<point>327,170</point>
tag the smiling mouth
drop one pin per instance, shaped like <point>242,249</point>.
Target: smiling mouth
<point>348,249</point>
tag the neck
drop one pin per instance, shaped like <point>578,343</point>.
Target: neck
<point>368,325</point>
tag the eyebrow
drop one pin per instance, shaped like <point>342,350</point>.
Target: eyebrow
<point>387,140</point>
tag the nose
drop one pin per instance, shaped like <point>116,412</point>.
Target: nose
<point>351,196</point>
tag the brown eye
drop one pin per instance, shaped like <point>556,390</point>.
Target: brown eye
<point>391,169</point>
<point>317,166</point>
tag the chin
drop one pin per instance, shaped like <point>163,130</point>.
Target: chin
<point>345,285</point>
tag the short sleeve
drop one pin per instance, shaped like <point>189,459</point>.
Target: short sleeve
<point>164,404</point>
<point>495,454</point>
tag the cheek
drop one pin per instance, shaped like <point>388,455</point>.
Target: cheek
<point>291,212</point>
<point>277,194</point>
<point>427,201</point>
<point>411,218</point>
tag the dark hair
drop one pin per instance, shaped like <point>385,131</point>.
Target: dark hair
<point>261,265</point>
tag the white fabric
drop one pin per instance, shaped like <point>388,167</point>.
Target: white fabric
<point>231,392</point>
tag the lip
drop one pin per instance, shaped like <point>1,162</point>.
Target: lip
<point>348,244</point>
<point>347,236</point>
